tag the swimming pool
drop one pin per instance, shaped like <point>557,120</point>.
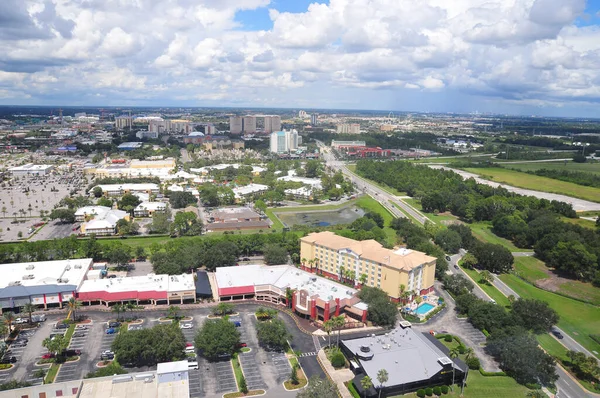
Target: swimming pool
<point>424,308</point>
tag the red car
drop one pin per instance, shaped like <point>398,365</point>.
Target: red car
<point>189,344</point>
<point>48,356</point>
<point>240,345</point>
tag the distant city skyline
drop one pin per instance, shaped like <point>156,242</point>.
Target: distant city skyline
<point>524,57</point>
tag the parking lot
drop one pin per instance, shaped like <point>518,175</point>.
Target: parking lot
<point>262,369</point>
<point>17,350</point>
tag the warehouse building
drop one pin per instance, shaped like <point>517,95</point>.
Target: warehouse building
<point>413,360</point>
<point>44,283</point>
<point>31,169</point>
<point>122,189</point>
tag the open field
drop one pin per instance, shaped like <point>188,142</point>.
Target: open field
<point>581,222</point>
<point>552,346</point>
<point>543,184</point>
<point>566,166</point>
<point>435,218</point>
<point>577,319</point>
<point>535,271</point>
<point>483,231</point>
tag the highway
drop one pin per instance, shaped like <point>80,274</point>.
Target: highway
<point>385,198</point>
<point>566,386</point>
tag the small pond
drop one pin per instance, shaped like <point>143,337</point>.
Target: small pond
<point>321,218</point>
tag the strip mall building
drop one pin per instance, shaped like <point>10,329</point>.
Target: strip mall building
<point>328,254</point>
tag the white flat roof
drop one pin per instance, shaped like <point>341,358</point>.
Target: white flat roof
<point>152,206</point>
<point>125,187</point>
<point>248,189</point>
<point>150,282</point>
<point>70,272</point>
<point>172,367</point>
<point>31,167</point>
<point>282,276</point>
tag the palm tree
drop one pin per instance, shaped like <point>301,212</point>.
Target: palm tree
<point>3,331</point>
<point>9,318</point>
<point>366,383</point>
<point>72,305</point>
<point>29,208</point>
<point>401,291</point>
<point>328,326</point>
<point>131,306</point>
<point>117,308</point>
<point>4,210</point>
<point>468,353</point>
<point>311,262</point>
<point>453,354</point>
<point>342,273</point>
<point>303,262</point>
<point>339,322</point>
<point>363,279</point>
<point>382,377</point>
<point>418,300</point>
<point>29,308</point>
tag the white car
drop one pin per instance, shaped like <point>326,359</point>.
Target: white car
<point>186,325</point>
<point>193,365</point>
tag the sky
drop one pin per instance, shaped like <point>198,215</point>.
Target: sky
<point>525,57</point>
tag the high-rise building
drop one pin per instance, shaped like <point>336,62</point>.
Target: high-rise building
<point>271,123</point>
<point>249,124</point>
<point>284,141</point>
<point>210,129</point>
<point>314,119</point>
<point>235,124</point>
<point>345,128</point>
<point>302,114</point>
<point>123,122</point>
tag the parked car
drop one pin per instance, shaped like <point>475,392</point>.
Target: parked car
<point>448,258</point>
<point>61,326</point>
<point>114,324</point>
<point>20,321</point>
<point>79,334</point>
<point>190,349</point>
<point>111,276</point>
<point>71,353</point>
<point>193,364</point>
<point>48,355</point>
<point>456,266</point>
<point>111,331</point>
<point>7,360</point>
<point>240,345</point>
<point>186,325</point>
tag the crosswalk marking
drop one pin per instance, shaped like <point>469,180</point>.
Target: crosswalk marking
<point>308,354</point>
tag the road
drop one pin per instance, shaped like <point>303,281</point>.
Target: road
<point>385,198</point>
<point>578,204</point>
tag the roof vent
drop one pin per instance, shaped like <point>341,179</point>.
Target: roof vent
<point>15,283</point>
<point>445,361</point>
<point>77,266</point>
<point>68,268</point>
<point>365,348</point>
<point>30,266</point>
<point>27,277</point>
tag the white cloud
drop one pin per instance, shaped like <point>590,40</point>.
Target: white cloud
<point>506,51</point>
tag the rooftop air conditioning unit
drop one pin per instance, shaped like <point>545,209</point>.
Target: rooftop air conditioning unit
<point>30,266</point>
<point>28,277</point>
<point>15,283</point>
<point>78,266</point>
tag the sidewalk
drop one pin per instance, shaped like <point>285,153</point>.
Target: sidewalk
<point>374,329</point>
<point>339,377</point>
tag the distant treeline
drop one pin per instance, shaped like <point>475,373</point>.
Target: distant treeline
<point>576,177</point>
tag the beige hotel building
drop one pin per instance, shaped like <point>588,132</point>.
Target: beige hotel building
<point>386,269</point>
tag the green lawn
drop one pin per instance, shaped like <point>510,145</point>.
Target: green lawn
<point>483,231</point>
<point>568,166</point>
<point>533,270</point>
<point>543,184</point>
<point>577,319</point>
<point>552,346</point>
<point>435,218</point>
<point>490,290</point>
<point>581,222</point>
<point>479,386</point>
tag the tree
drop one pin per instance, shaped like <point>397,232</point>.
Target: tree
<point>338,323</point>
<point>313,168</point>
<point>273,335</point>
<point>534,315</point>
<point>91,248</point>
<point>9,318</point>
<point>118,308</point>
<point>73,305</point>
<point>381,311</point>
<point>469,261</point>
<point>448,240</point>
<point>494,258</point>
<point>363,279</point>
<point>56,345</point>
<point>29,308</point>
<point>382,378</point>
<point>140,252</point>
<point>328,326</point>
<point>454,352</point>
<point>97,191</point>
<point>186,223</point>
<point>536,394</point>
<point>366,383</point>
<point>128,202</point>
<point>579,158</point>
<point>573,258</point>
<point>294,374</point>
<point>318,388</point>
<point>119,255</point>
<point>222,254</point>
<point>64,215</point>
<point>466,236</point>
<point>161,222</point>
<point>217,336</point>
<point>585,367</point>
<point>243,385</point>
<point>179,200</point>
<point>225,309</point>
<point>174,312</point>
<point>260,205</point>
<point>275,254</point>
<point>105,202</point>
<point>488,316</point>
<point>486,277</point>
<point>519,356</point>
<point>457,284</point>
<point>147,347</point>
<point>3,333</point>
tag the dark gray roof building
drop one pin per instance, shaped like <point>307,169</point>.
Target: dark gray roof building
<point>413,360</point>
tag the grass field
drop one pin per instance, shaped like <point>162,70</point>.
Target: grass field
<point>543,184</point>
<point>581,222</point>
<point>483,231</point>
<point>552,346</point>
<point>479,386</point>
<point>577,319</point>
<point>435,218</point>
<point>568,166</point>
<point>490,290</point>
<point>534,271</point>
